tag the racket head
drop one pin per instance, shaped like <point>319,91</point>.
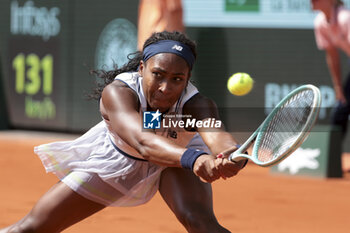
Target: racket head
<point>284,129</point>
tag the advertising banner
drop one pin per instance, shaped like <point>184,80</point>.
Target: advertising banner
<point>250,13</point>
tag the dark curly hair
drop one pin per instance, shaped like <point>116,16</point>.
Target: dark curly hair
<point>107,77</point>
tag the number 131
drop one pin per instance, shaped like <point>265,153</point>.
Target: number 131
<point>34,66</point>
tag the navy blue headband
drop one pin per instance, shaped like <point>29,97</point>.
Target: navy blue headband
<point>169,46</point>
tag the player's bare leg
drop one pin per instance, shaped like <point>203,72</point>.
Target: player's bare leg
<point>58,209</point>
<point>190,200</point>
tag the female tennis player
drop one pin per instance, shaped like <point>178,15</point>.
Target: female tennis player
<point>332,31</point>
<point>119,163</point>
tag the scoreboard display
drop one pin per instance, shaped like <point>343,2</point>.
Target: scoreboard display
<point>47,50</point>
<point>32,62</point>
<point>33,82</point>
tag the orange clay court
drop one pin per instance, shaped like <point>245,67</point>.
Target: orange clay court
<point>253,202</point>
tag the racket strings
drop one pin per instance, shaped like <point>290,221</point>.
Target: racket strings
<point>286,126</point>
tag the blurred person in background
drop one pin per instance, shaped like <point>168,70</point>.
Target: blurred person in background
<point>158,16</point>
<point>332,32</point>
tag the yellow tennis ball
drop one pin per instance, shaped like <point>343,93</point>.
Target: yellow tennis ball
<point>240,84</point>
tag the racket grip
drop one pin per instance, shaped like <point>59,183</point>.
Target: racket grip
<point>238,159</point>
<point>234,157</point>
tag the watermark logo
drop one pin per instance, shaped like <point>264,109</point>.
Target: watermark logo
<point>151,120</point>
<point>155,120</point>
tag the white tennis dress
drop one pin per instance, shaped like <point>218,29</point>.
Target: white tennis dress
<point>100,166</point>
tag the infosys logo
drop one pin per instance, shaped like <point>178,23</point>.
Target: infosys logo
<point>155,120</point>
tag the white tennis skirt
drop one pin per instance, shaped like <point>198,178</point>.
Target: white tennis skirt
<point>94,168</point>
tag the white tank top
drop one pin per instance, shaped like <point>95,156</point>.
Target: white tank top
<point>178,135</point>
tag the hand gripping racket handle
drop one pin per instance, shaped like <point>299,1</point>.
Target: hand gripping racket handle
<point>241,152</point>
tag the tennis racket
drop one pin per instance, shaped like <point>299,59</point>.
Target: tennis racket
<point>284,129</point>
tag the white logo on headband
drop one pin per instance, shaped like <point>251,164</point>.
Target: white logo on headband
<point>177,47</point>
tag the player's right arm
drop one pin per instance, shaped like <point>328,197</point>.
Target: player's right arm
<point>121,109</point>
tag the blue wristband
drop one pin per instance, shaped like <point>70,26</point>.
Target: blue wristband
<point>189,157</point>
